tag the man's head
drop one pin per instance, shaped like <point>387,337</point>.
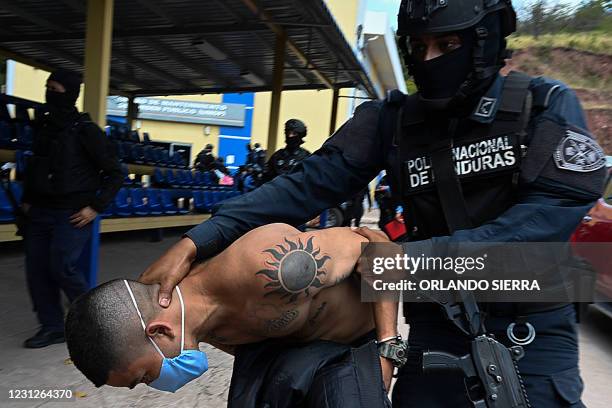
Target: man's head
<point>454,48</point>
<point>107,342</point>
<point>295,132</point>
<point>208,148</point>
<point>63,88</point>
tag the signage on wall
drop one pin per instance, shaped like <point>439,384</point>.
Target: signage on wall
<point>172,110</point>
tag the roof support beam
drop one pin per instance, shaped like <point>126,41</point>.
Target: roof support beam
<point>97,58</point>
<point>279,31</point>
<point>277,92</point>
<point>334,111</point>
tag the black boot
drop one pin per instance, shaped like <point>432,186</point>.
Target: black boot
<point>44,338</point>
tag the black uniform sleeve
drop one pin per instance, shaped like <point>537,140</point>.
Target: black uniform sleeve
<point>269,170</point>
<point>323,180</point>
<point>100,151</point>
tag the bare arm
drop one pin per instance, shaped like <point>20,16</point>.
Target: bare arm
<point>294,265</point>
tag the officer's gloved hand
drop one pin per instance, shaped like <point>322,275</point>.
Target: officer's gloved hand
<point>170,269</point>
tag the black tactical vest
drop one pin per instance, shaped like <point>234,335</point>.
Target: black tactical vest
<point>59,164</point>
<point>453,175</point>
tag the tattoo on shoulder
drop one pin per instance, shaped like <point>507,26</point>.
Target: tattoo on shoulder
<point>293,269</point>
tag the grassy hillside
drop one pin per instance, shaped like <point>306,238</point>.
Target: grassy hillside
<point>598,42</point>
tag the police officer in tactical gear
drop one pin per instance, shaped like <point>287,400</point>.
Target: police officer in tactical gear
<point>72,176</point>
<point>205,160</point>
<point>518,181</point>
<point>285,159</point>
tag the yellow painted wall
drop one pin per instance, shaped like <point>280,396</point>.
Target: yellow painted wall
<point>345,13</point>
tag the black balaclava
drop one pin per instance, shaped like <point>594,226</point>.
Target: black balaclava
<point>438,80</point>
<point>62,103</point>
<point>297,126</point>
<point>455,81</point>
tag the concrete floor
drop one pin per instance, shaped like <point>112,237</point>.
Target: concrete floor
<point>126,255</point>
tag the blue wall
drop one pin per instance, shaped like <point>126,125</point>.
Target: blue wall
<point>233,140</point>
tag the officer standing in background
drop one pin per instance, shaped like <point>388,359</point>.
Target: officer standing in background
<point>72,176</point>
<point>285,159</point>
<point>517,183</point>
<point>205,160</point>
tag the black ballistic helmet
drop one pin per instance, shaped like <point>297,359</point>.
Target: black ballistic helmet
<point>296,126</point>
<point>440,16</point>
<point>486,22</point>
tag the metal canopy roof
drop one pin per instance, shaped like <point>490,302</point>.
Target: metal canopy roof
<point>154,44</point>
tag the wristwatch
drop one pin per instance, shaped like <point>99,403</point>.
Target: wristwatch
<point>394,349</point>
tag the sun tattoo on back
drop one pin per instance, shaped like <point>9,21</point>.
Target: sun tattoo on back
<point>294,268</point>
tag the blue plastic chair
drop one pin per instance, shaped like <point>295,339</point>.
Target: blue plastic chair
<point>188,178</point>
<point>208,179</point>
<point>140,206</point>
<point>167,202</point>
<point>149,155</point>
<point>198,201</point>
<point>6,209</point>
<point>122,206</point>
<point>127,181</point>
<point>6,134</point>
<point>170,178</point>
<point>137,153</point>
<point>24,135</point>
<point>159,179</point>
<point>134,137</point>
<point>155,207</point>
<point>208,200</point>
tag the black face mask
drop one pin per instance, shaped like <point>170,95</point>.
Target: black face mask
<point>439,79</point>
<point>293,142</point>
<point>59,102</point>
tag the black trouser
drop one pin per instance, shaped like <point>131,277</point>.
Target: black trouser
<point>320,374</point>
<point>53,247</point>
<point>549,367</point>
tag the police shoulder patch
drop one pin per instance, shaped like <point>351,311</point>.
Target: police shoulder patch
<point>486,107</point>
<point>579,152</point>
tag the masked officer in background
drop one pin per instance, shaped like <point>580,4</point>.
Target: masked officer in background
<point>205,160</point>
<point>520,181</point>
<point>285,159</point>
<point>72,176</point>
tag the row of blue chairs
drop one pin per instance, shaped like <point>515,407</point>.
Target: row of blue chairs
<point>15,135</point>
<point>137,153</point>
<point>204,201</point>
<point>183,178</point>
<point>151,201</point>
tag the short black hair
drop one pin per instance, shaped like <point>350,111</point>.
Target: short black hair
<point>103,329</point>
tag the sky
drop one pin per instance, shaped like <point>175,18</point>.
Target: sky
<point>391,6</point>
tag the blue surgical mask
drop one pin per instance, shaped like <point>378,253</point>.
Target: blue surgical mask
<point>176,371</point>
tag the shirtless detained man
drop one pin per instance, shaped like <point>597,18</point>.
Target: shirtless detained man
<point>284,302</point>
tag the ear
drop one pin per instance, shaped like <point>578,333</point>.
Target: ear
<point>158,328</point>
